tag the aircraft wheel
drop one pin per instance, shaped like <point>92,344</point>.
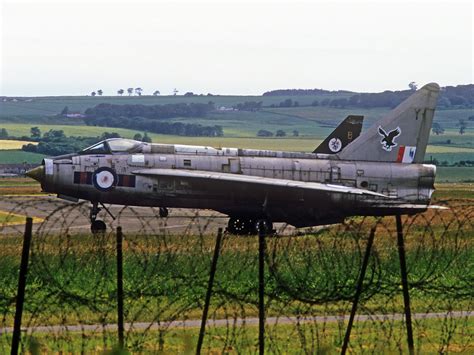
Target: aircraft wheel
<point>239,226</point>
<point>266,224</point>
<point>98,227</point>
<point>164,212</point>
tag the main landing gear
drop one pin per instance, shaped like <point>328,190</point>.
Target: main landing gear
<point>163,212</point>
<point>246,225</point>
<point>98,226</point>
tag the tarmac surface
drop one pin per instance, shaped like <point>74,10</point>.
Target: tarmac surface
<point>52,214</point>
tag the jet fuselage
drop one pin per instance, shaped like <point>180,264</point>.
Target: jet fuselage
<point>409,186</point>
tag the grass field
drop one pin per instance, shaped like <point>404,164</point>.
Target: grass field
<point>54,105</point>
<point>240,128</point>
<point>455,174</point>
<point>302,143</point>
<point>19,157</point>
<point>284,339</point>
<point>72,281</point>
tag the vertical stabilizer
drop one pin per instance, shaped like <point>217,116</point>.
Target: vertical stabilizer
<point>402,135</point>
<point>344,134</point>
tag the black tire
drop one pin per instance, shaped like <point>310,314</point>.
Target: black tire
<point>164,212</point>
<point>239,225</point>
<point>98,227</point>
<point>266,224</point>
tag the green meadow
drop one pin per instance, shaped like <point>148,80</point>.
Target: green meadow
<point>313,124</point>
<point>72,281</point>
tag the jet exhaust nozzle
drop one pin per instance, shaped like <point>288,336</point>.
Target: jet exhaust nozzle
<point>36,173</point>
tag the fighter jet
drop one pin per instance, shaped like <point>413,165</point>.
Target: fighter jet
<point>379,173</point>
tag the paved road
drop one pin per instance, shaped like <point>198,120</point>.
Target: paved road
<point>239,321</point>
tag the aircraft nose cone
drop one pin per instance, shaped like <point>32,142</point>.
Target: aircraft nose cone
<point>36,173</point>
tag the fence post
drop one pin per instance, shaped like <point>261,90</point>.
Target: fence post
<point>20,298</point>
<point>261,287</point>
<point>120,287</point>
<point>404,274</point>
<point>363,269</point>
<point>212,273</point>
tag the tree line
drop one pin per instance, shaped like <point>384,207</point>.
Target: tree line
<point>303,92</point>
<point>149,118</point>
<point>150,111</point>
<point>451,96</point>
<point>55,142</point>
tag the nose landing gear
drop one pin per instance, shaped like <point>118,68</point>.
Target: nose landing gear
<point>98,226</point>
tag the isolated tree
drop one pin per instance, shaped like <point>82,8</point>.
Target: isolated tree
<point>138,91</point>
<point>130,91</point>
<point>315,103</point>
<point>437,129</point>
<point>107,135</point>
<point>54,135</point>
<point>35,132</point>
<point>138,137</point>
<point>462,124</point>
<point>65,111</point>
<point>413,86</point>
<point>120,92</point>
<point>175,92</point>
<point>100,92</point>
<point>3,133</point>
<point>156,93</point>
<point>296,133</point>
<point>146,138</point>
<point>93,93</point>
<point>264,133</point>
<point>280,133</point>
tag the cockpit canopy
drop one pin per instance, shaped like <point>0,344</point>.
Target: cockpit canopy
<point>114,145</point>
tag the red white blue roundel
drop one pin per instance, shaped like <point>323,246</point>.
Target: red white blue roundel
<point>104,179</point>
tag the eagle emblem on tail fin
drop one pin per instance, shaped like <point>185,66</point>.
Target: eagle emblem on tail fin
<point>388,139</point>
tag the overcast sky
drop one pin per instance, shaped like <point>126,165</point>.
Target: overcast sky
<point>245,47</point>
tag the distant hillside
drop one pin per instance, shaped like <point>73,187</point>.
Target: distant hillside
<point>145,118</point>
<point>305,92</point>
<point>461,96</point>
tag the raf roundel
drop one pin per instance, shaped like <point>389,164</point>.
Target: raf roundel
<point>335,145</point>
<point>104,179</point>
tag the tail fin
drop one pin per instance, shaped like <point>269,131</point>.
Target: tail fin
<point>402,135</point>
<point>344,134</point>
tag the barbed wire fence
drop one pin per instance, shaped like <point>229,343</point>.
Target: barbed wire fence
<point>311,278</point>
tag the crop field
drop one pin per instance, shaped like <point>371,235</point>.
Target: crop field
<point>12,144</point>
